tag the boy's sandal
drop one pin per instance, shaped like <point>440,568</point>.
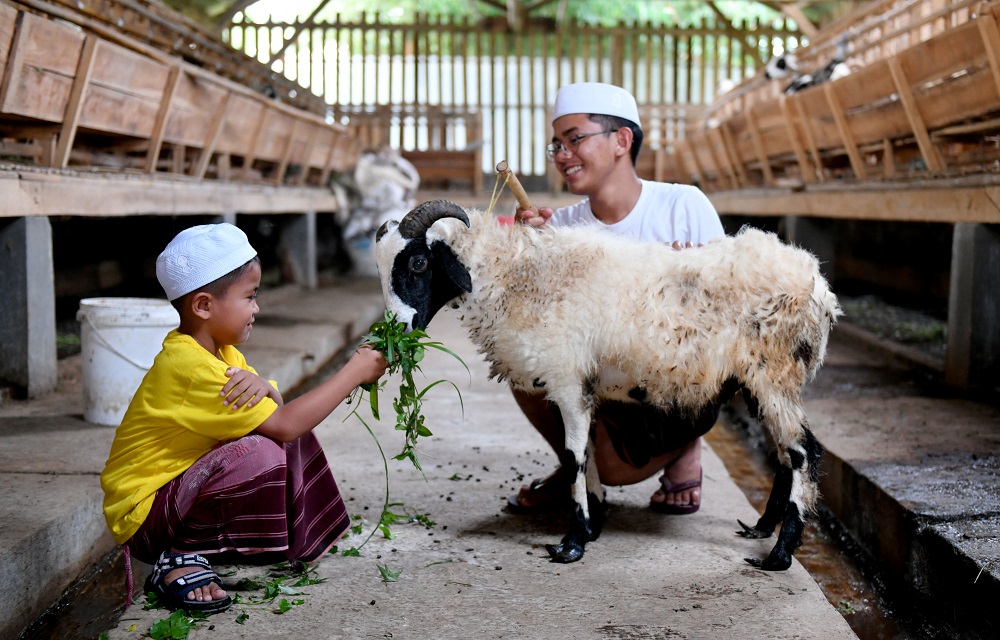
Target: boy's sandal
<point>173,595</point>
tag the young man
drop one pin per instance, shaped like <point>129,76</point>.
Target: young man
<point>596,139</point>
<point>209,459</point>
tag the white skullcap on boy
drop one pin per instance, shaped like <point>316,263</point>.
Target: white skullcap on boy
<point>597,98</point>
<point>200,255</point>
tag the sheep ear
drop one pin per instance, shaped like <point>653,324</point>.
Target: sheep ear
<point>453,268</point>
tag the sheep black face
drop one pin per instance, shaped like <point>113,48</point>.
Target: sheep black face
<point>419,272</point>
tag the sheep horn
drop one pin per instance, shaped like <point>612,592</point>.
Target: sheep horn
<point>416,223</point>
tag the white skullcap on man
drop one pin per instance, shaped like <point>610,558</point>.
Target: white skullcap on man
<point>200,255</point>
<point>597,98</point>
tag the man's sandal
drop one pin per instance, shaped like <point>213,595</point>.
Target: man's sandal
<point>173,595</point>
<point>551,493</point>
<point>670,488</point>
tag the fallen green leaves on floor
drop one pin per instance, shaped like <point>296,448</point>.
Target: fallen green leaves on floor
<point>283,580</point>
<point>175,627</point>
<point>388,575</point>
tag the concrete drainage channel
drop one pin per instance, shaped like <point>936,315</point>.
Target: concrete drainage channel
<point>848,585</point>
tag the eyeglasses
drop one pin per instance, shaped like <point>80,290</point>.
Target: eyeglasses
<point>571,145</point>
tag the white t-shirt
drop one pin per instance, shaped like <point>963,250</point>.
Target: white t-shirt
<point>665,212</point>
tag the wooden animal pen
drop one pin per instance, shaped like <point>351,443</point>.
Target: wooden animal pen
<point>86,96</point>
<point>920,105</point>
<point>122,108</point>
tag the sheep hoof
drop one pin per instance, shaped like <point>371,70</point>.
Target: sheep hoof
<point>772,563</point>
<point>752,532</point>
<point>565,552</point>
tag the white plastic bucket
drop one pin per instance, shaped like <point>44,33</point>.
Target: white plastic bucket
<point>119,338</point>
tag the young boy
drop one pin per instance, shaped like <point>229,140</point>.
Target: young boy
<point>208,459</point>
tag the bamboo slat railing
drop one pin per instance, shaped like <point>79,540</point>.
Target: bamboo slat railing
<point>508,79</point>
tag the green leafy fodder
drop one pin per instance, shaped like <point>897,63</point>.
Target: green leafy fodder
<point>403,352</point>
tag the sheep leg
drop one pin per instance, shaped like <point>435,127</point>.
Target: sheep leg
<point>775,509</point>
<point>574,461</point>
<point>801,493</point>
<point>596,504</point>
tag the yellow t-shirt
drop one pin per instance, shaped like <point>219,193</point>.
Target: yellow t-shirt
<point>175,417</point>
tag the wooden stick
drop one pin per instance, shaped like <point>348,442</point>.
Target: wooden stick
<point>515,186</point>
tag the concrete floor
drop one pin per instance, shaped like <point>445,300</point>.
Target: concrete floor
<point>911,471</point>
<point>480,572</point>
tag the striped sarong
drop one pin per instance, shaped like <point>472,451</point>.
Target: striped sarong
<point>248,497</point>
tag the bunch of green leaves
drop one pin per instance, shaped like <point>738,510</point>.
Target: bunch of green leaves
<point>403,351</point>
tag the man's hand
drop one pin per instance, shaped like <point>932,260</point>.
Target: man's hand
<point>678,245</point>
<point>531,218</point>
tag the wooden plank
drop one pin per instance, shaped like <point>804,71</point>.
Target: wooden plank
<point>953,51</point>
<point>798,148</point>
<point>305,165</point>
<point>685,149</point>
<point>337,145</point>
<point>991,42</point>
<point>160,123</point>
<point>242,124</point>
<point>29,193</point>
<point>124,92</point>
<point>190,120</point>
<point>286,156</point>
<point>208,146</point>
<point>733,153</point>
<point>810,142</point>
<point>722,153</point>
<point>273,142</point>
<point>814,110</point>
<point>8,24</point>
<point>758,147</point>
<point>442,166</point>
<point>74,105</point>
<point>41,67</point>
<point>888,160</point>
<point>922,202</point>
<point>846,135</point>
<point>903,87</point>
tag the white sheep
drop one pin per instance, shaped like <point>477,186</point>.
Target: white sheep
<point>587,316</point>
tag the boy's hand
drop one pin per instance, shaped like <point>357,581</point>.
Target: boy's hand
<point>369,363</point>
<point>244,388</point>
